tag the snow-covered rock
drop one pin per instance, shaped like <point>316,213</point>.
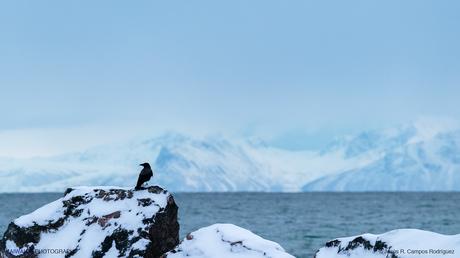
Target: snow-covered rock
<point>97,222</point>
<point>226,241</point>
<point>401,243</point>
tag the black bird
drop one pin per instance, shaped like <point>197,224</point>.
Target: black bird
<point>144,176</point>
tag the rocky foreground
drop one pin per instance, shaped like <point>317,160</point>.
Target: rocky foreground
<point>401,243</point>
<point>118,222</point>
<point>97,222</point>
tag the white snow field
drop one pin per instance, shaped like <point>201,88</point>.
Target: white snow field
<point>227,241</point>
<point>401,243</point>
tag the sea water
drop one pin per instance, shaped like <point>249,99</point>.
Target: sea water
<point>300,222</point>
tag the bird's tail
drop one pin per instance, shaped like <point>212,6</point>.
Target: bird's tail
<point>138,185</point>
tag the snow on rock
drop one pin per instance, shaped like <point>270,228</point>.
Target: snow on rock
<point>401,243</point>
<point>97,222</point>
<point>226,241</point>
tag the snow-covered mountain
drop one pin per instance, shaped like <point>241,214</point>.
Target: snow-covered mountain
<point>415,157</point>
<point>181,163</point>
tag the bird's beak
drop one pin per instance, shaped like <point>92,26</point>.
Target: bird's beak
<point>140,164</point>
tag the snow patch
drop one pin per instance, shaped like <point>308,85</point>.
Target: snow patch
<point>227,241</point>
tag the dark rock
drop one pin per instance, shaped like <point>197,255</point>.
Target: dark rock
<point>333,243</point>
<point>163,232</point>
<point>359,242</point>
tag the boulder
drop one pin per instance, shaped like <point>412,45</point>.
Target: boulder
<point>226,241</point>
<point>97,222</point>
<point>401,243</point>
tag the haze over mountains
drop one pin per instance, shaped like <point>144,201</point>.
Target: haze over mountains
<point>416,157</point>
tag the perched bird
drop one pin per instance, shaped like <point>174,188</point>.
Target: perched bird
<point>144,176</point>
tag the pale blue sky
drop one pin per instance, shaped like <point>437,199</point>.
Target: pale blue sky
<point>279,69</point>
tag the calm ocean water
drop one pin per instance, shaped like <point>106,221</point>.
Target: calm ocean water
<point>300,222</point>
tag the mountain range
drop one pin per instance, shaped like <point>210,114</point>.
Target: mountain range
<point>415,157</point>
